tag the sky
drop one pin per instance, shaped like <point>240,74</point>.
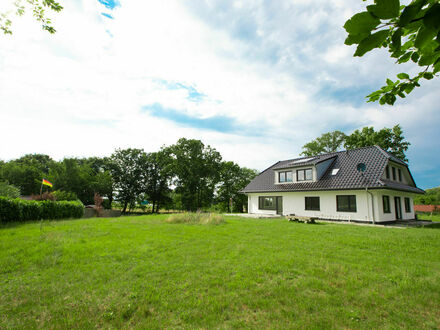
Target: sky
<point>256,80</point>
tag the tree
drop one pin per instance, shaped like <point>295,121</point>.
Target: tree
<point>410,32</point>
<point>38,10</point>
<point>128,170</point>
<point>10,191</point>
<point>195,169</point>
<point>73,175</point>
<point>157,177</point>
<point>327,142</point>
<point>27,172</point>
<point>233,178</point>
<point>388,139</point>
<point>432,197</point>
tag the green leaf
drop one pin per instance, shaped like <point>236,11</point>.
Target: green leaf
<point>382,100</point>
<point>432,17</point>
<point>409,88</point>
<point>373,41</point>
<point>415,57</point>
<point>428,59</point>
<point>390,82</point>
<point>355,39</point>
<point>424,36</point>
<point>403,75</point>
<point>385,9</point>
<point>428,75</point>
<point>410,12</point>
<point>396,39</point>
<point>437,66</point>
<point>361,23</point>
<point>405,58</point>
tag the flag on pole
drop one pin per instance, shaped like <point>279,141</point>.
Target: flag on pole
<point>47,183</point>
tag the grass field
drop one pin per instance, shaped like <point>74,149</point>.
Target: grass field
<point>140,272</point>
<point>428,216</point>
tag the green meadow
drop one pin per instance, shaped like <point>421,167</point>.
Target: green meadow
<point>143,272</point>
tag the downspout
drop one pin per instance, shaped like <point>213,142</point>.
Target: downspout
<point>372,204</point>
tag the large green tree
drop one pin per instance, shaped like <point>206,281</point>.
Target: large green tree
<point>233,178</point>
<point>196,169</point>
<point>129,169</point>
<point>27,172</point>
<point>158,175</point>
<point>327,142</point>
<point>409,32</point>
<point>389,139</point>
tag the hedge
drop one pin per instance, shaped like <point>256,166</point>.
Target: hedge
<point>23,210</point>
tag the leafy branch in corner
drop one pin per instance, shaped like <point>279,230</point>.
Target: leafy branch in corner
<point>37,7</point>
<point>409,32</point>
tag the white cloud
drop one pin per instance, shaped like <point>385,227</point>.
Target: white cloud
<point>278,67</point>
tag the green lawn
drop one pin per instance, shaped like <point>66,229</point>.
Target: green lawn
<point>141,272</point>
<point>428,216</point>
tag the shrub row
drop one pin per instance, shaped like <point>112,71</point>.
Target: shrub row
<point>23,210</point>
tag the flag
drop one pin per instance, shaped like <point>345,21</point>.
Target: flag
<point>47,183</point>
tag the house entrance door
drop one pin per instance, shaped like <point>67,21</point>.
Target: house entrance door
<point>280,205</point>
<point>398,207</point>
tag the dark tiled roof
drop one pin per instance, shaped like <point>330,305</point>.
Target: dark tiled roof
<point>347,177</point>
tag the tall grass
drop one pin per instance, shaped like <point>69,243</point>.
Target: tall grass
<point>196,218</point>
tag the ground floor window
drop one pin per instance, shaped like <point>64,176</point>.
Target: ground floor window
<point>346,203</point>
<point>386,204</point>
<point>267,203</point>
<point>407,205</point>
<point>312,203</point>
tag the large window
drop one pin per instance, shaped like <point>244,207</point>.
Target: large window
<point>346,203</point>
<point>407,205</point>
<point>304,175</point>
<point>386,204</point>
<point>312,203</point>
<point>399,171</point>
<point>267,203</point>
<point>285,176</point>
<point>387,172</point>
<point>393,170</point>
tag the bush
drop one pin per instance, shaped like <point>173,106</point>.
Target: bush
<point>197,218</point>
<point>61,195</point>
<point>22,210</point>
<point>8,190</point>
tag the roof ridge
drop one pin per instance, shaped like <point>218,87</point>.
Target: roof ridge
<point>333,153</point>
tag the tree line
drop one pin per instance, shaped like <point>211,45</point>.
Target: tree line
<point>389,139</point>
<point>187,176</point>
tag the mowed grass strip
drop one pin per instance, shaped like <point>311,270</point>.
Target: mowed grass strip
<point>143,272</point>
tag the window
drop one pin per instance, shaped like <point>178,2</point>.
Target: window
<point>407,205</point>
<point>266,203</point>
<point>304,175</point>
<point>386,204</point>
<point>285,176</point>
<point>394,173</point>
<point>399,171</point>
<point>387,172</point>
<point>312,203</point>
<point>346,203</point>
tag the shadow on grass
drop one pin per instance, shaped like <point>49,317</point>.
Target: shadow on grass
<point>431,226</point>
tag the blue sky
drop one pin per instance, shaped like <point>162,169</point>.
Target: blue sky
<point>255,80</point>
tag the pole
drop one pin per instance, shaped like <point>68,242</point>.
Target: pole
<point>41,189</point>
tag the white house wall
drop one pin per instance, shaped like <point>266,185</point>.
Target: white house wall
<point>294,203</point>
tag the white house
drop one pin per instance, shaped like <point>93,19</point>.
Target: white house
<point>364,185</point>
